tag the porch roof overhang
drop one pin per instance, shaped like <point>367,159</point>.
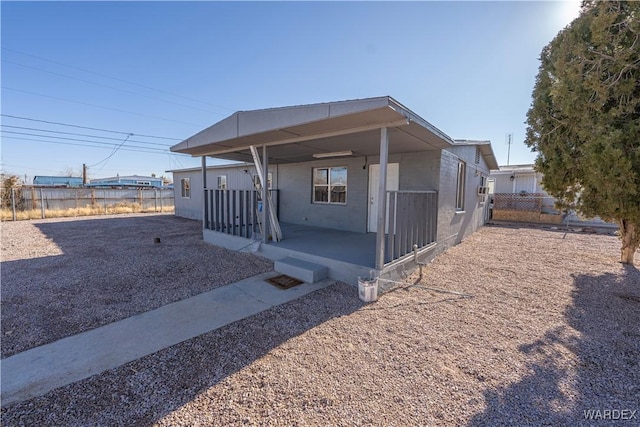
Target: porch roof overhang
<point>294,134</point>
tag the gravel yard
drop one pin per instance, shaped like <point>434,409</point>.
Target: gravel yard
<point>552,329</point>
<point>61,277</point>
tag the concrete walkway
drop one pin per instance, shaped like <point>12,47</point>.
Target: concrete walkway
<point>39,370</point>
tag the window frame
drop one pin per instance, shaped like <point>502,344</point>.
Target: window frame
<point>328,185</point>
<point>461,177</point>
<point>258,186</point>
<point>185,188</point>
<point>222,182</point>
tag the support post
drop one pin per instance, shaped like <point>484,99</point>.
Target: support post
<point>382,198</point>
<point>13,202</point>
<point>42,202</point>
<point>205,210</point>
<point>265,190</point>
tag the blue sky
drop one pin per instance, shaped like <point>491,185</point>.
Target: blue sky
<point>170,69</point>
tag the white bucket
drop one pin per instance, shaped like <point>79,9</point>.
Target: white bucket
<point>368,289</point>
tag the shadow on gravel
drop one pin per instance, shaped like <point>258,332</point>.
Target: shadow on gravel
<point>602,336</point>
<point>144,391</point>
<point>109,269</point>
<point>556,228</point>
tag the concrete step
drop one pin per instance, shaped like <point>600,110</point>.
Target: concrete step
<point>302,270</point>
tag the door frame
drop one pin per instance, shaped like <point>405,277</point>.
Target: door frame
<point>393,184</point>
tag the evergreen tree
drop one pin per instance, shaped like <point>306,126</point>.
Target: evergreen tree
<point>584,119</point>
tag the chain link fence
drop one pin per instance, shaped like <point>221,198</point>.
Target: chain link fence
<point>22,202</point>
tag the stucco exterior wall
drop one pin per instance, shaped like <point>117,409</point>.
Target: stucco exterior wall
<point>192,206</point>
<point>454,226</point>
<point>237,179</point>
<point>418,171</point>
<point>297,207</point>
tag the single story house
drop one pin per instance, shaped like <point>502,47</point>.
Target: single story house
<point>358,188</point>
<point>516,179</point>
<point>518,195</point>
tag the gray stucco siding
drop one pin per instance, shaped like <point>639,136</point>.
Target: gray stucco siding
<point>418,172</point>
<point>237,179</point>
<point>190,207</point>
<point>296,204</point>
<point>454,226</point>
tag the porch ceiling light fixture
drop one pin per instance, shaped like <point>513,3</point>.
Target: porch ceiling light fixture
<point>333,154</point>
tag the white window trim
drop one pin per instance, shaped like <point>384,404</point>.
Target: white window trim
<point>256,181</point>
<point>185,191</point>
<point>461,177</point>
<point>313,186</point>
<point>222,182</point>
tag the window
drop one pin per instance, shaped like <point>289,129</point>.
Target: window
<point>477,155</point>
<point>256,181</point>
<point>143,182</point>
<point>330,185</point>
<point>222,182</point>
<point>185,186</point>
<point>462,172</point>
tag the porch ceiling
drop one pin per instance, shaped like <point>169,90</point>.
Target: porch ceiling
<point>295,134</point>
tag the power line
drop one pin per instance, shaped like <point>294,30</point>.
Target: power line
<point>98,106</point>
<point>76,134</point>
<point>117,79</point>
<point>110,87</point>
<point>76,139</point>
<point>110,146</point>
<point>86,127</point>
<point>106,159</point>
<point>9,165</point>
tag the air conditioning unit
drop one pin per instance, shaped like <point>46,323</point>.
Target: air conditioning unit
<point>482,191</point>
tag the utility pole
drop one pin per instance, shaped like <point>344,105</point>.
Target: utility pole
<point>84,174</point>
<point>509,142</point>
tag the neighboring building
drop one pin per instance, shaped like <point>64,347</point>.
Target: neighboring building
<point>517,179</point>
<point>133,181</point>
<point>57,181</point>
<point>328,164</point>
<point>518,195</point>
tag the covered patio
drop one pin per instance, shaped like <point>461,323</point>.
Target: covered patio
<point>402,220</point>
<point>348,247</point>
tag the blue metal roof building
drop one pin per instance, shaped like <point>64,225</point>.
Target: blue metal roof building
<point>57,181</point>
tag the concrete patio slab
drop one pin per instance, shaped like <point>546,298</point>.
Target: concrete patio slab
<point>39,370</point>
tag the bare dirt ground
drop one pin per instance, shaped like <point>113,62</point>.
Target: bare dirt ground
<point>61,277</point>
<point>552,330</point>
